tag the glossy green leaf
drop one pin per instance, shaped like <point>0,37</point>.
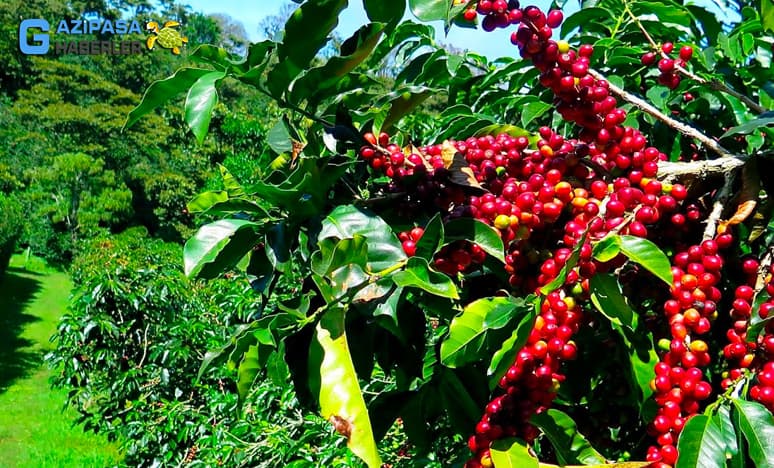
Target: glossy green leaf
<point>487,237</point>
<point>511,130</point>
<point>701,443</point>
<point>206,200</point>
<point>607,297</point>
<point>279,139</point>
<point>504,357</point>
<point>253,361</point>
<point>218,246</point>
<point>512,453</point>
<point>161,91</point>
<point>606,249</point>
<point>430,10</point>
<point>242,338</point>
<point>757,425</point>
<point>353,51</point>
<point>248,370</point>
<point>749,127</point>
<point>219,203</point>
<point>471,331</point>
<point>533,110</point>
<point>457,399</point>
<point>341,400</point>
<point>384,12</point>
<point>201,99</point>
<point>384,248</point>
<point>418,274</point>
<point>432,239</point>
<point>230,183</point>
<point>572,262</point>
<point>767,15</point>
<point>647,254</point>
<point>313,21</point>
<point>570,445</point>
<point>334,254</point>
<point>732,438</point>
<point>403,101</point>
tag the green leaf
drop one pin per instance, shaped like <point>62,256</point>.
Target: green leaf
<point>206,200</point>
<point>647,254</point>
<point>334,254</point>
<point>606,249</point>
<point>341,400</point>
<point>384,248</point>
<point>607,297</point>
<point>161,91</point>
<point>757,425</point>
<point>533,110</point>
<point>419,275</point>
<point>749,127</point>
<point>307,30</point>
<point>353,51</point>
<point>471,331</point>
<point>457,399</point>
<point>248,370</point>
<point>279,139</point>
<point>570,445</point>
<point>503,358</point>
<point>241,339</point>
<point>487,237</point>
<point>731,437</point>
<point>432,239</point>
<point>253,361</point>
<point>384,12</point>
<point>200,101</point>
<point>230,183</point>
<point>430,10</point>
<point>219,203</point>
<point>701,443</point>
<point>404,100</point>
<point>512,453</point>
<point>767,15</point>
<point>218,246</point>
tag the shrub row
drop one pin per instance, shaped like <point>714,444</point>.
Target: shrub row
<point>129,351</point>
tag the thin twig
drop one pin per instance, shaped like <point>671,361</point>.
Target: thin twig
<point>685,129</point>
<point>717,209</point>
<point>713,83</point>
<point>144,347</point>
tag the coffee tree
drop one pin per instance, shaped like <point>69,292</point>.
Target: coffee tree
<point>562,256</point>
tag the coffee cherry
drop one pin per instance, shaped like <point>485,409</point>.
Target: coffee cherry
<point>686,52</point>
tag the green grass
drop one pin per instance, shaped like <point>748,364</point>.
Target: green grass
<point>34,430</point>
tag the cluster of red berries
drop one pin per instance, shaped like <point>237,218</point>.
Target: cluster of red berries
<point>409,240</point>
<point>679,385</point>
<point>753,355</point>
<point>531,383</point>
<point>497,13</point>
<point>668,66</point>
<point>551,193</point>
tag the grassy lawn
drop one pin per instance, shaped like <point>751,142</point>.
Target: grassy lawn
<point>34,431</point>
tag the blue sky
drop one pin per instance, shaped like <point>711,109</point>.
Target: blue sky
<point>250,13</point>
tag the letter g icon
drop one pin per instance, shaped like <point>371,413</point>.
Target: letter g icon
<point>40,43</point>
